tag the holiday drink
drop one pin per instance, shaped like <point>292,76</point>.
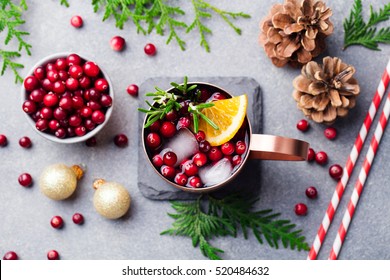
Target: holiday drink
<point>180,141</point>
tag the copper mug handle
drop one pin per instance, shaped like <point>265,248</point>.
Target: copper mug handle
<point>263,146</point>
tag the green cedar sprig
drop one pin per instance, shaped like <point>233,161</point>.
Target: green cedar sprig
<point>225,217</point>
<point>359,32</point>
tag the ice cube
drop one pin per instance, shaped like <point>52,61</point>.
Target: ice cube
<point>214,174</point>
<point>183,144</point>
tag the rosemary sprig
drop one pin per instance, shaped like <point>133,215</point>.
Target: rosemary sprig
<point>225,217</point>
<point>358,32</point>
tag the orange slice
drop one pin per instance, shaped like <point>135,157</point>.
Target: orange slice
<point>228,115</point>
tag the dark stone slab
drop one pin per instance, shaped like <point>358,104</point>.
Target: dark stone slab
<point>248,181</point>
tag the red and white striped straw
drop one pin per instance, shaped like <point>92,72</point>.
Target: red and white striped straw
<point>348,168</point>
<point>364,171</point>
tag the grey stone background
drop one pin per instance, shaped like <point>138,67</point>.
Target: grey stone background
<point>26,213</point>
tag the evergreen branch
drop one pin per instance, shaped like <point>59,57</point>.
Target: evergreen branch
<point>358,32</point>
<point>64,3</point>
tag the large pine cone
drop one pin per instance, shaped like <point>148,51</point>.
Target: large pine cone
<point>324,92</point>
<point>295,31</point>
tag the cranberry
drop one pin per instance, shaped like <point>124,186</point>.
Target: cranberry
<point>61,63</point>
<point>50,100</point>
<point>84,82</point>
<point>228,148</point>
<point>150,49</point>
<point>74,120</point>
<point>236,160</point>
<point>204,146</point>
<point>91,69</point>
<point>106,100</point>
<point>132,90</point>
<point>167,129</point>
<point>215,154</point>
<point>80,130</point>
<point>101,84</point>
<point>98,117</point>
<point>184,108</point>
<point>336,171</point>
<point>77,102</point>
<point>86,112</point>
<point>70,131</point>
<point>60,133</point>
<point>200,159</point>
<point>10,256</point>
<point>57,222</point>
<point>50,66</point>
<point>153,140</point>
<point>121,140</point>
<point>3,140</point>
<point>168,171</point>
<point>200,136</point>
<point>91,142</point>
<point>93,94</point>
<point>59,87</point>
<point>41,124</point>
<point>155,127</point>
<point>301,209</point>
<point>217,96</point>
<point>311,154</point>
<point>204,95</point>
<point>189,168</point>
<point>94,105</point>
<point>25,180</point>
<point>195,182</point>
<point>89,124</point>
<point>75,71</point>
<point>77,218</point>
<point>47,85</point>
<point>25,142</point>
<point>53,255</point>
<point>76,21</point>
<point>39,73</point>
<point>59,113</point>
<point>181,179</point>
<point>52,75</point>
<point>240,147</point>
<point>183,122</point>
<point>46,113</point>
<point>54,124</point>
<point>157,160</point>
<point>330,133</point>
<point>303,125</point>
<point>72,83</point>
<point>73,59</point>
<point>117,43</point>
<point>171,116</point>
<point>63,75</point>
<point>31,83</point>
<point>78,92</point>
<point>36,116</point>
<point>321,158</point>
<point>311,192</point>
<point>170,158</point>
<point>29,107</point>
<point>37,95</point>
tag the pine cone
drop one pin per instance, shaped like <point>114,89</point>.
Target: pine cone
<point>295,31</point>
<point>324,92</point>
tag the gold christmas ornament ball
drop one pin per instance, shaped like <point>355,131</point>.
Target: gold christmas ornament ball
<point>59,181</point>
<point>111,200</point>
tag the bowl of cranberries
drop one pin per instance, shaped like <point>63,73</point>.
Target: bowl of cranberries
<point>67,98</point>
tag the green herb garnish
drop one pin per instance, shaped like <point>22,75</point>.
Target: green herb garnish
<point>358,32</point>
<point>225,217</point>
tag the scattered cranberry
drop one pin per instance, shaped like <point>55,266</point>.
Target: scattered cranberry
<point>168,171</point>
<point>25,142</point>
<point>25,180</point>
<point>181,179</point>
<point>228,148</point>
<point>57,222</point>
<point>76,21</point>
<point>303,125</point>
<point>311,192</point>
<point>330,133</point>
<point>168,129</point>
<point>170,158</point>
<point>200,136</point>
<point>157,160</point>
<point>240,147</point>
<point>215,154</point>
<point>311,154</point>
<point>150,49</point>
<point>31,83</point>
<point>204,146</point>
<point>117,43</point>
<point>29,107</point>
<point>91,142</point>
<point>190,169</point>
<point>10,256</point>
<point>77,218</point>
<point>195,182</point>
<point>91,69</point>
<point>321,158</point>
<point>336,171</point>
<point>200,159</point>
<point>121,140</point>
<point>132,90</point>
<point>236,160</point>
<point>53,255</point>
<point>3,140</point>
<point>301,209</point>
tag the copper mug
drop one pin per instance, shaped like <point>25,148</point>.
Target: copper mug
<point>261,146</point>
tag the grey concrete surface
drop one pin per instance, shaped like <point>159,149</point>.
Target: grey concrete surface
<point>26,213</point>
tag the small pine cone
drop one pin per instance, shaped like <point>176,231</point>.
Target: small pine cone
<point>324,92</point>
<point>295,32</point>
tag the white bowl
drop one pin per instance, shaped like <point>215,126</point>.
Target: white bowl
<point>74,139</point>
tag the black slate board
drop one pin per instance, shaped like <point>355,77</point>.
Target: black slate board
<point>248,181</point>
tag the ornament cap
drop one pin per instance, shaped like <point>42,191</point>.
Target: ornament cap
<point>98,183</point>
<point>78,170</point>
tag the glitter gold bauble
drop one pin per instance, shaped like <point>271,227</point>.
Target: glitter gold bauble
<point>59,181</point>
<point>111,200</point>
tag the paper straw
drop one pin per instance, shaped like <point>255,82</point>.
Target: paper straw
<point>348,168</point>
<point>364,171</point>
